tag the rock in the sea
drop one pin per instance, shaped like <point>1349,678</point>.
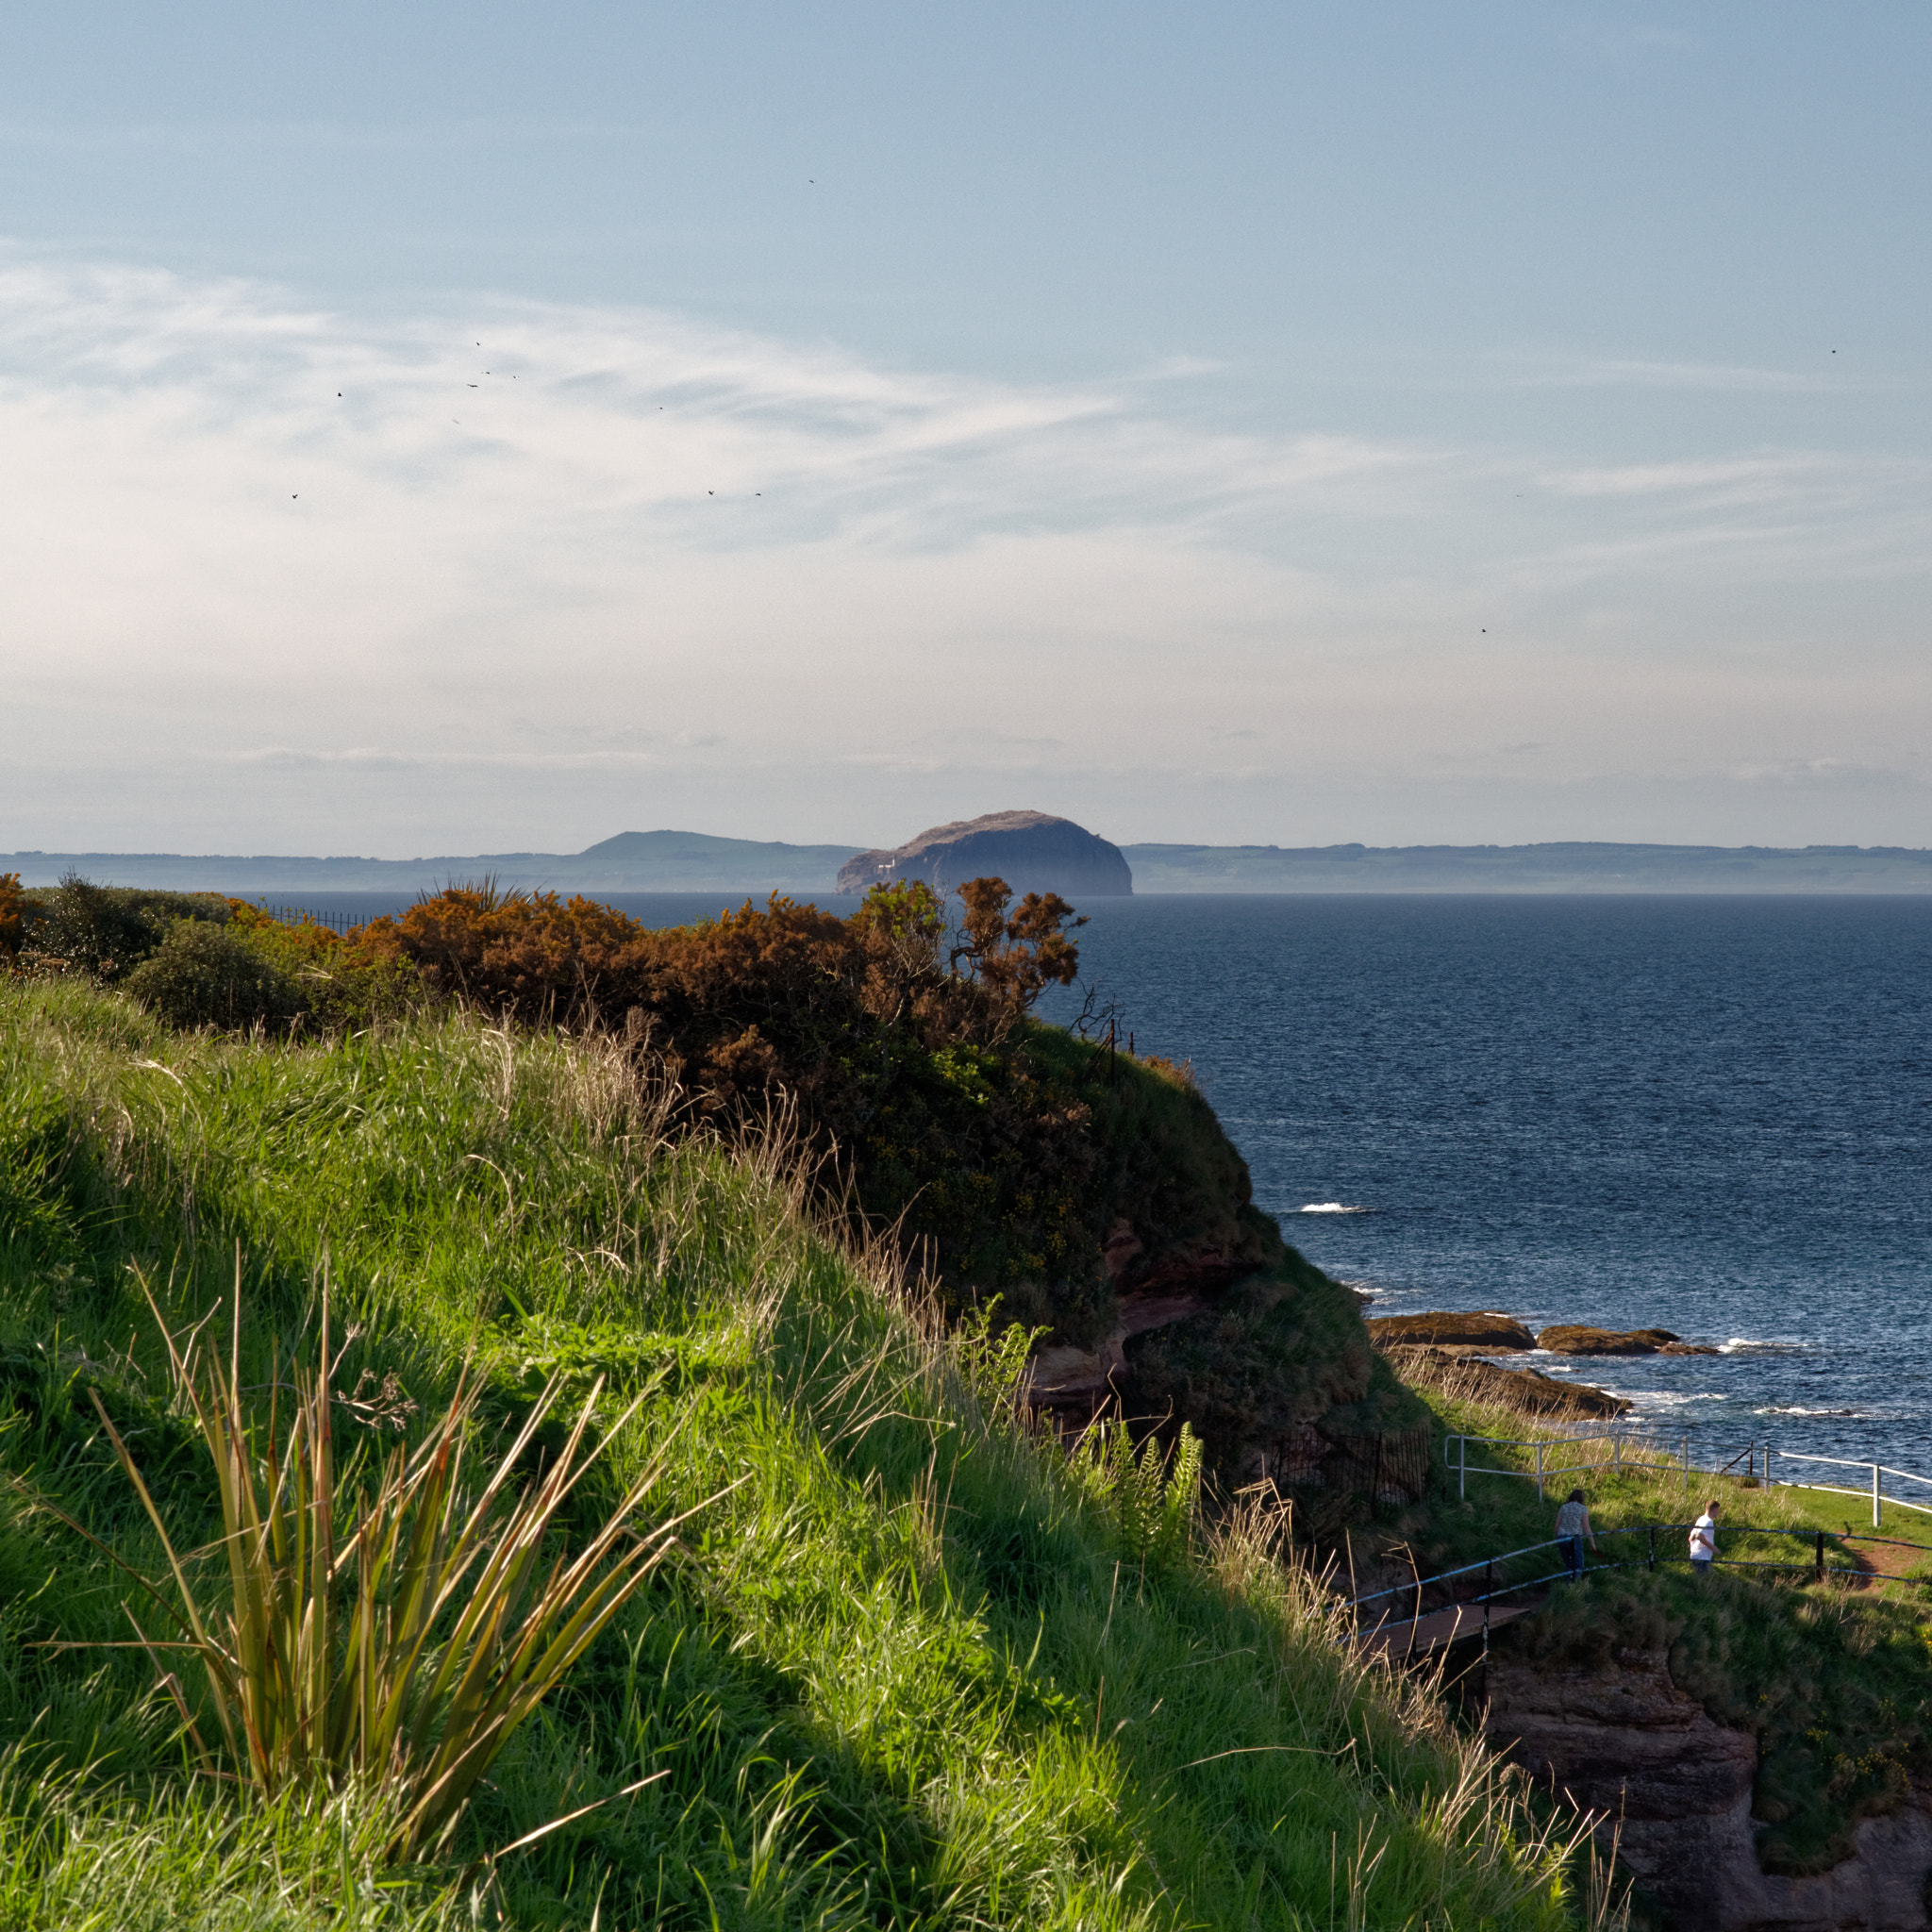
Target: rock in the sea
<point>1031,850</point>
<point>1574,1337</point>
<point>1486,1330</point>
<point>1577,1338</point>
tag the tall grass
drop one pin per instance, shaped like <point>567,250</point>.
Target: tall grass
<point>907,1671</point>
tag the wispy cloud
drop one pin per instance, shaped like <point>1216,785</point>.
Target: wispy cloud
<point>429,569</point>
<point>1737,377</point>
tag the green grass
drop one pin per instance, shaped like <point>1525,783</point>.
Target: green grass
<point>1835,1680</point>
<point>1832,1509</point>
<point>901,1675</point>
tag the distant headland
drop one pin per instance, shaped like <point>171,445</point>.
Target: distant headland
<point>1060,856</point>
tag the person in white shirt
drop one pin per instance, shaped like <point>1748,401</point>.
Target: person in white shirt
<point>1573,1526</point>
<point>1704,1542</point>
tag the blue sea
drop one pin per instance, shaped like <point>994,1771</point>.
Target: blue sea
<point>1712,1115</point>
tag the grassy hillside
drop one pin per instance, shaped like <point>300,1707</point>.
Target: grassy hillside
<point>909,1669</point>
<point>1029,1172</point>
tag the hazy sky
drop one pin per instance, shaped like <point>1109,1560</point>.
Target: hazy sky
<point>432,429</point>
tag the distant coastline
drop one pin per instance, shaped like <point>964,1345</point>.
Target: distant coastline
<point>671,861</point>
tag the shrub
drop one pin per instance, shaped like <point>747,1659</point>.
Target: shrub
<point>106,930</point>
<point>208,975</point>
<point>12,905</point>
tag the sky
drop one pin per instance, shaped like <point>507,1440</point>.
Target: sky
<point>449,429</point>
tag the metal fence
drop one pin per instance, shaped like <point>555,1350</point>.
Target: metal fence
<point>1388,1468</point>
<point>305,915</point>
<point>1619,1449</point>
<point>1616,1449</point>
<point>1818,1545</point>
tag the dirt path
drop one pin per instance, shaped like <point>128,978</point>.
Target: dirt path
<point>1885,1560</point>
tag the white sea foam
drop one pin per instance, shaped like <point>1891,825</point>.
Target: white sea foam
<point>1330,1208</point>
<point>1751,1344</point>
<point>1857,1415</point>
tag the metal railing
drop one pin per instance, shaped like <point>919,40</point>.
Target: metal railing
<point>1819,1539</point>
<point>1877,1470</point>
<point>1626,1452</point>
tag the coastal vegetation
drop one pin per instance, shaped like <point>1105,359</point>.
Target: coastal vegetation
<point>1831,1676</point>
<point>902,1661</point>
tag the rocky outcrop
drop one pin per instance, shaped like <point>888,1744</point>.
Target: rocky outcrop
<point>1528,1391</point>
<point>1485,1330</point>
<point>1673,1790</point>
<point>1031,850</point>
<point>1079,1382</point>
<point>1571,1337</point>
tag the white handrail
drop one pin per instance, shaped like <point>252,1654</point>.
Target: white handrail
<point>1459,1461</point>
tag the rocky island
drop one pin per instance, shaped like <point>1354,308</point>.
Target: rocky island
<point>1033,851</point>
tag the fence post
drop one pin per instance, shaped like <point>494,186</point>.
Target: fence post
<point>1376,1482</point>
<point>1616,1449</point>
<point>1539,1472</point>
<point>1461,1468</point>
<point>1875,1496</point>
<point>1821,1555</point>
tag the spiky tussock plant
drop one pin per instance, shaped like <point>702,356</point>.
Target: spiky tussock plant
<point>456,1630</point>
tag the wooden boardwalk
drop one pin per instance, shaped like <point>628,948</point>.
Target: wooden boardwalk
<point>1415,1635</point>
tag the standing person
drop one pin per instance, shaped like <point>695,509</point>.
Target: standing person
<point>1704,1542</point>
<point>1573,1526</point>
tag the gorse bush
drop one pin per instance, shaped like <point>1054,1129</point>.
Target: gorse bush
<point>1000,1154</point>
<point>339,978</point>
